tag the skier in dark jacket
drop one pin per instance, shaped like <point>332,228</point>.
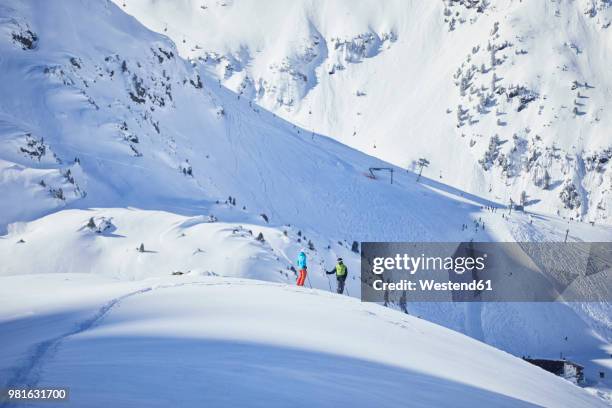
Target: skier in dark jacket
<point>341,272</point>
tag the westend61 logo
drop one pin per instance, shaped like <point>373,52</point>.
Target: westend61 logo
<point>478,271</point>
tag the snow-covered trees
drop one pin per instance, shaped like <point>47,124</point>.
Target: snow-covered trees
<point>100,224</point>
<point>569,196</point>
<point>34,148</point>
<point>57,193</point>
<point>25,37</point>
<point>523,199</point>
<point>597,161</point>
<point>546,180</point>
<point>522,94</point>
<point>491,154</point>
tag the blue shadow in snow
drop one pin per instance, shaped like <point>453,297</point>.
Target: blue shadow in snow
<point>170,371</point>
<point>457,193</point>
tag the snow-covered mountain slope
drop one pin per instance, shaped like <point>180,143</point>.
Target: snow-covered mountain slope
<point>106,241</point>
<point>507,99</point>
<point>248,343</point>
<point>119,120</point>
<point>110,140</point>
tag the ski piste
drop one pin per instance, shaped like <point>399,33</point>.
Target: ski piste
<point>163,164</point>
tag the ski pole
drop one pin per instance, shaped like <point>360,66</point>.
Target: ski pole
<point>347,292</point>
<point>324,271</point>
<point>308,279</point>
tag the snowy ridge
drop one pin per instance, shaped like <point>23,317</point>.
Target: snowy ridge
<point>110,140</point>
<point>159,329</point>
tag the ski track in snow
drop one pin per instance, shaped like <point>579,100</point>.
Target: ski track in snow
<point>29,373</point>
<point>404,324</point>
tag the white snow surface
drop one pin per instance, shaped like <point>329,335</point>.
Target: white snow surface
<point>110,140</point>
<point>194,340</point>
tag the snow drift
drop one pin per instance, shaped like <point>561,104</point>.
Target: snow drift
<point>224,342</point>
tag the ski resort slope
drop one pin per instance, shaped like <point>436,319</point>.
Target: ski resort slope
<point>497,95</point>
<point>195,340</point>
<point>109,140</point>
<point>91,121</point>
